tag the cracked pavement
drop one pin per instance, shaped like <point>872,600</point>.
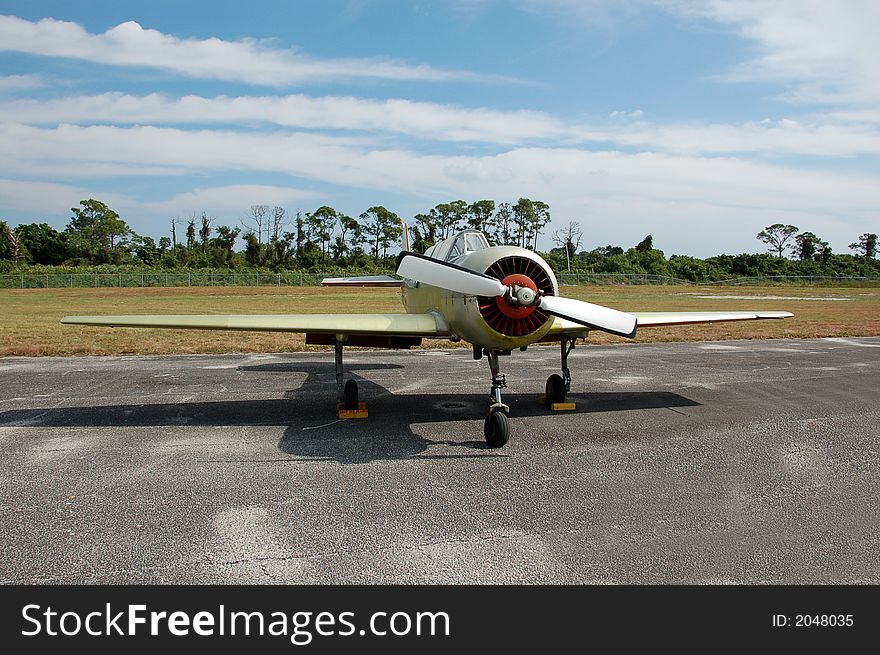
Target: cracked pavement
<point>736,461</point>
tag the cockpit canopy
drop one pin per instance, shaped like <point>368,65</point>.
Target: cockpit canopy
<point>460,244</point>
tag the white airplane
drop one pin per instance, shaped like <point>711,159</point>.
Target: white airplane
<point>497,298</point>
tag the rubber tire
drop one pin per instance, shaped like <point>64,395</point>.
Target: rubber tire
<point>496,428</point>
<point>351,395</point>
<point>555,389</point>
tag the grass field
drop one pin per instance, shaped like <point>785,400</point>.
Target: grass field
<point>29,318</point>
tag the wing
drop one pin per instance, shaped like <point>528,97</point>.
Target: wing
<point>407,325</point>
<point>362,281</point>
<point>657,319</point>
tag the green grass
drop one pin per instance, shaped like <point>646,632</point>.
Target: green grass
<point>29,318</point>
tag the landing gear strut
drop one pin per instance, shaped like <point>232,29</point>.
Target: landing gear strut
<point>346,394</point>
<point>558,386</point>
<point>497,426</point>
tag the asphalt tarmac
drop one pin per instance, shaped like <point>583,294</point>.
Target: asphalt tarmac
<point>728,462</point>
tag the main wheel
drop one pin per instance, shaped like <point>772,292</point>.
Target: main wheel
<point>555,389</point>
<point>496,428</point>
<point>351,395</point>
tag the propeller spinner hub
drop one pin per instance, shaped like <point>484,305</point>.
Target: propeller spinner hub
<point>524,295</point>
<point>519,301</point>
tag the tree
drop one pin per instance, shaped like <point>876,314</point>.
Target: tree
<point>222,247</point>
<point>523,219</point>
<point>809,247</point>
<point>569,239</point>
<point>205,231</point>
<point>504,224</point>
<point>257,221</point>
<point>97,233</point>
<point>777,236</point>
<point>424,232</point>
<point>350,236</point>
<point>191,234</point>
<point>646,244</point>
<point>866,246</point>
<point>10,244</point>
<point>253,249</point>
<point>391,232</point>
<point>383,228</point>
<point>42,243</point>
<point>279,221</point>
<point>147,251</point>
<point>479,215</point>
<point>540,220</point>
<point>322,223</point>
<point>447,217</point>
<point>300,232</point>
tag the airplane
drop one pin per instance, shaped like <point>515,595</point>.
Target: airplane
<point>497,298</point>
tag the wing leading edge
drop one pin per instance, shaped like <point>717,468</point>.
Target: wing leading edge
<point>410,325</point>
<point>658,319</point>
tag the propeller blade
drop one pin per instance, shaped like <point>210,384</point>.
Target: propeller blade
<point>448,276</point>
<point>594,316</point>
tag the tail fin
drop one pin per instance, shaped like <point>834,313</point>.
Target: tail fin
<point>404,236</point>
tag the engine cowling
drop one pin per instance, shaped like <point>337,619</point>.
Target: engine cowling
<point>516,320</point>
<point>499,325</point>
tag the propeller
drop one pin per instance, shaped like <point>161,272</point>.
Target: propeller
<point>448,276</point>
<point>456,278</point>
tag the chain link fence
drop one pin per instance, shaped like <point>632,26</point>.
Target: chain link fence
<point>151,279</point>
<point>298,279</point>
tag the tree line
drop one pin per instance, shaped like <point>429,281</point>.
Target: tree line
<point>272,238</point>
<point>327,238</point>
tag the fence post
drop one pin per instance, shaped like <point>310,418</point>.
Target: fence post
<point>21,283</point>
<point>189,278</point>
<point>96,281</point>
<point>47,280</point>
<point>71,280</point>
<point>279,280</point>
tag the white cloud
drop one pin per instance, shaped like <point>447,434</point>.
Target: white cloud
<point>421,119</point>
<point>827,136</point>
<point>685,196</point>
<point>230,199</point>
<point>20,82</point>
<point>50,202</point>
<point>247,61</point>
<point>825,52</point>
<point>31,196</point>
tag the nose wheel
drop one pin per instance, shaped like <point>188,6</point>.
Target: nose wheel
<point>497,425</point>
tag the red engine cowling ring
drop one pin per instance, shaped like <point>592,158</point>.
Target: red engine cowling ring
<point>512,320</point>
<point>516,311</point>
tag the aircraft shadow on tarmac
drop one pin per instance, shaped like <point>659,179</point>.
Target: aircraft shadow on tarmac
<point>312,431</point>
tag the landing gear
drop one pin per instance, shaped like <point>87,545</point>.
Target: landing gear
<point>350,395</point>
<point>558,386</point>
<point>497,426</point>
<point>346,394</point>
<point>554,391</point>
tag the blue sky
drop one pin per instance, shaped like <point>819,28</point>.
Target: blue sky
<point>700,122</point>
